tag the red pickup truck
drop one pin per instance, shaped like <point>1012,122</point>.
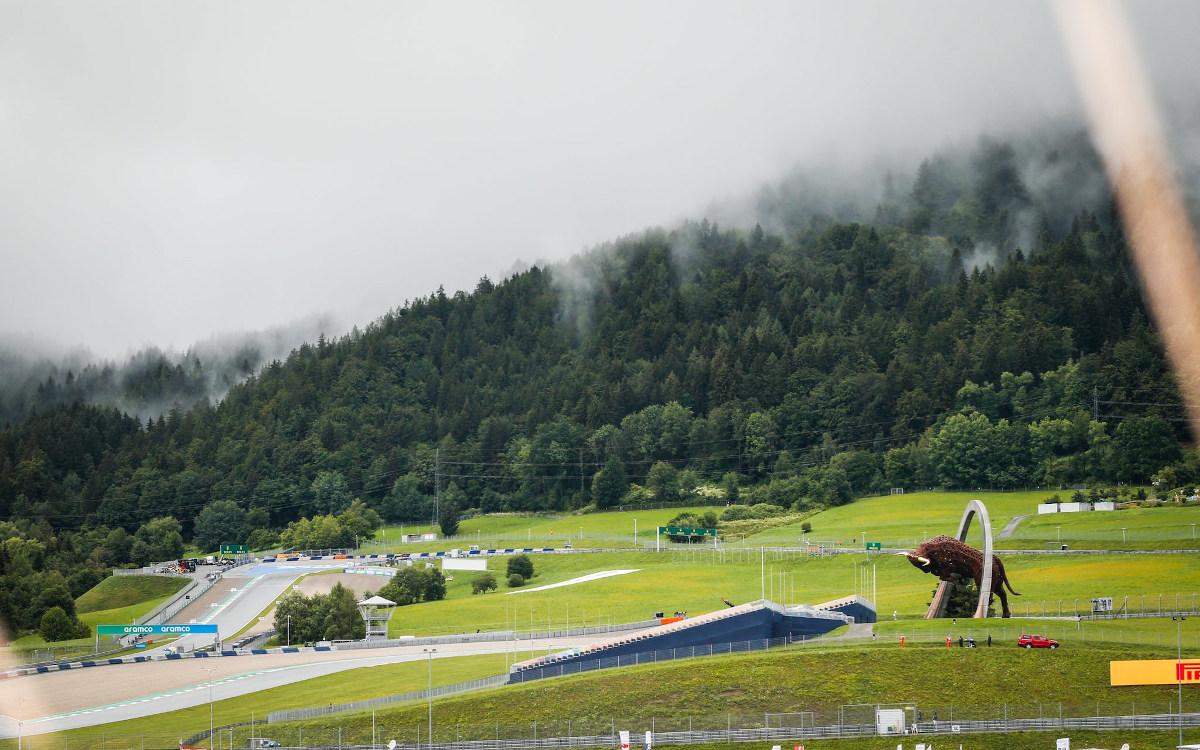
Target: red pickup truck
<point>1036,641</point>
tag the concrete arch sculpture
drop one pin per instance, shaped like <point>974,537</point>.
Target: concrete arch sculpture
<point>937,608</point>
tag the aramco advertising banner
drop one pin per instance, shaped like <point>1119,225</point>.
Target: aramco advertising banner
<point>191,628</point>
<point>1154,672</point>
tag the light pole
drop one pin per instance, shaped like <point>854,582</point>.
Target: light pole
<point>289,634</point>
<point>1122,535</point>
<point>1178,673</point>
<point>429,692</point>
<point>1059,533</point>
<point>211,673</point>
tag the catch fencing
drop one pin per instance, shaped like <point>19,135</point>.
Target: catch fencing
<point>1003,637</point>
<point>154,569</point>
<point>388,700</point>
<point>182,599</point>
<point>685,731</point>
<point>543,672</point>
<point>1124,605</point>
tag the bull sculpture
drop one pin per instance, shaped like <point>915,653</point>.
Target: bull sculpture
<point>949,559</point>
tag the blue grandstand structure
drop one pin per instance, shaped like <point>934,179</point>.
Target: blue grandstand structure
<point>747,627</point>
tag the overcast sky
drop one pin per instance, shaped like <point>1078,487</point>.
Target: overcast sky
<point>170,170</point>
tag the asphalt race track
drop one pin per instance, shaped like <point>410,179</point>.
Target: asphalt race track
<point>240,596</point>
<point>74,699</point>
<point>77,698</point>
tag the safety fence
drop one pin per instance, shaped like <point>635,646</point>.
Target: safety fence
<point>1004,633</point>
<point>387,700</point>
<point>182,599</point>
<point>154,569</point>
<point>367,732</point>
<point>1123,605</point>
<point>184,594</point>
<point>544,672</point>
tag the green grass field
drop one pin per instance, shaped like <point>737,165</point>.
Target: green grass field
<point>696,580</point>
<point>901,520</point>
<point>1157,633</point>
<point>608,529</point>
<point>1021,741</point>
<point>739,690</point>
<point>895,520</point>
<point>123,591</point>
<point>1168,527</point>
<point>906,520</point>
<point>704,693</point>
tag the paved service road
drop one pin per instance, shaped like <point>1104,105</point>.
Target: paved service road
<point>57,701</point>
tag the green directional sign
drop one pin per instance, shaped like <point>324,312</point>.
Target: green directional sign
<point>874,545</point>
<point>685,531</point>
<point>234,549</point>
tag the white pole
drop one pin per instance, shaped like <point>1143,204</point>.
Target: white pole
<point>430,651</point>
<point>635,531</point>
<point>762,570</point>
<point>1179,680</point>
<point>211,671</point>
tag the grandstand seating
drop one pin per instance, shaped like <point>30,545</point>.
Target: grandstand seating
<point>758,621</point>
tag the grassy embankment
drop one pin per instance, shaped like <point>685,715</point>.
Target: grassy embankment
<point>116,600</point>
<point>702,693</point>
<point>906,520</point>
<point>975,684</point>
<point>608,529</point>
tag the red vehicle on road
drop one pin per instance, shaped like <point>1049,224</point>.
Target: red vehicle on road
<point>1036,641</point>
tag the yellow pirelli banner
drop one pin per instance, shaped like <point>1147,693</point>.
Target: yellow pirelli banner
<point>1154,672</point>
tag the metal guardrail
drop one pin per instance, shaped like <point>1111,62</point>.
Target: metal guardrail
<point>150,616</point>
<point>494,635</point>
<point>185,597</point>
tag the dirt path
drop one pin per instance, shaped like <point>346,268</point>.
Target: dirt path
<point>1011,526</point>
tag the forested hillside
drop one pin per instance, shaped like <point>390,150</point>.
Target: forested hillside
<point>923,348</point>
<point>149,382</point>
